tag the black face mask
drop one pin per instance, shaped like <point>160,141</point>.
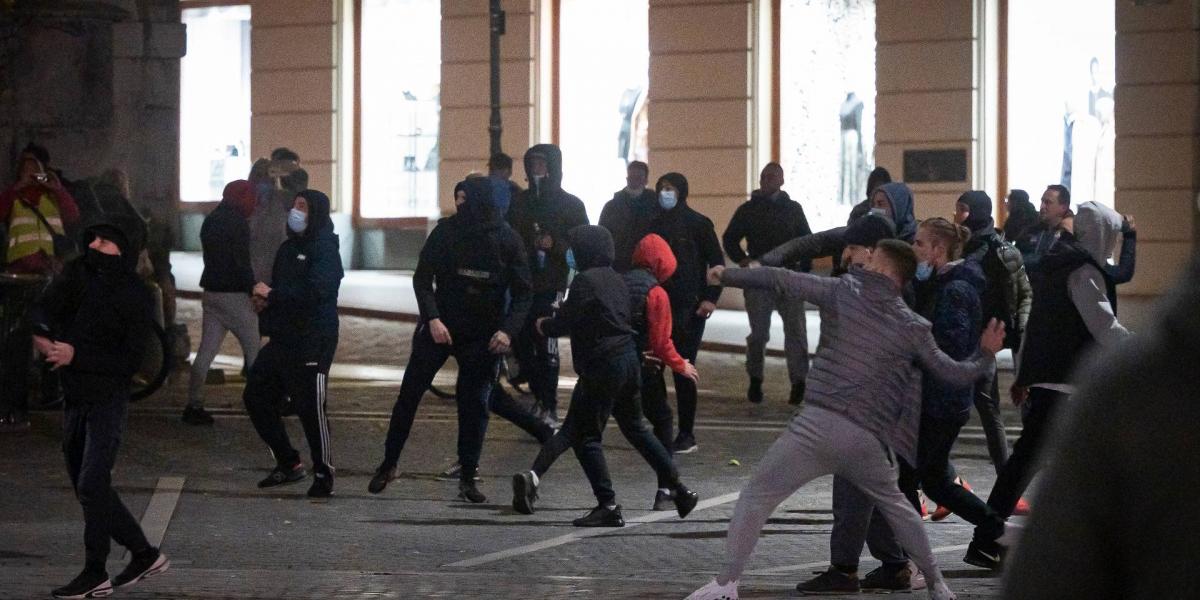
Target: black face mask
<point>103,262</point>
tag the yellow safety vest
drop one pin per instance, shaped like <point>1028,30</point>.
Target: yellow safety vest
<point>27,235</point>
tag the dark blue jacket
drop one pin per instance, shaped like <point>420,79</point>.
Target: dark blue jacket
<point>951,301</point>
<point>305,280</point>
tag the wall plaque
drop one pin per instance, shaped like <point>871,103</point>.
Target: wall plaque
<point>932,166</point>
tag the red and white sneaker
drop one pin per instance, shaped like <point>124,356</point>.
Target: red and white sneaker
<point>942,512</point>
<point>1022,509</point>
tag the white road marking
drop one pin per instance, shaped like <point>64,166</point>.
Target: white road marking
<point>825,563</point>
<point>587,533</point>
<point>161,508</point>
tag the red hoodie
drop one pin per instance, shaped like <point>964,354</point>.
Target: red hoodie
<point>654,254</point>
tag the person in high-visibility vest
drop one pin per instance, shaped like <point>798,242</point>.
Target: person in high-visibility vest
<point>28,249</point>
<point>30,245</point>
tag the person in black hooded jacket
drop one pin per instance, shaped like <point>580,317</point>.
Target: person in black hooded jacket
<point>91,324</point>
<point>299,315</point>
<point>596,314</point>
<point>693,240</point>
<point>542,215</point>
<point>470,264</point>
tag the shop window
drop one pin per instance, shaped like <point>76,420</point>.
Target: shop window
<point>1060,97</point>
<point>214,106</point>
<point>604,62</point>
<point>827,105</point>
<point>400,55</point>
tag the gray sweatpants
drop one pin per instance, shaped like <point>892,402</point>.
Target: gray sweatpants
<point>223,312</point>
<point>821,442</point>
<point>759,306</point>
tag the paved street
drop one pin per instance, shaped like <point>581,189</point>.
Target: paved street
<point>228,539</point>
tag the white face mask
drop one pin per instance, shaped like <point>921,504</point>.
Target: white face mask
<point>667,199</point>
<point>297,220</point>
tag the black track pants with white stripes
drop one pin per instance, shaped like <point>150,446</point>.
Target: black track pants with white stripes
<point>289,377</point>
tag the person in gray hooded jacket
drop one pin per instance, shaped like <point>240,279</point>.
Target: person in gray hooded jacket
<point>1071,314</point>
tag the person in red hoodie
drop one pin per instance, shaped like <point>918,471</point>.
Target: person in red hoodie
<point>651,253</point>
<point>653,263</point>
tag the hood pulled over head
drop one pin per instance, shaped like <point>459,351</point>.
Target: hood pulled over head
<point>679,182</point>
<point>980,206</point>
<point>127,231</point>
<point>239,195</point>
<point>1097,228</point>
<point>901,198</point>
<point>592,246</point>
<point>553,157</point>
<point>478,209</point>
<point>654,254</point>
<point>319,220</point>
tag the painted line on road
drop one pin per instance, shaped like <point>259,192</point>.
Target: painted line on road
<point>161,508</point>
<point>442,417</point>
<point>824,563</point>
<point>587,533</point>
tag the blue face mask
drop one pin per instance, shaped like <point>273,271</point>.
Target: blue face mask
<point>297,220</point>
<point>667,199</point>
<point>924,271</point>
<point>571,260</point>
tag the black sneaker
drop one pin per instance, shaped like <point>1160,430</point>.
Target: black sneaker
<point>797,396</point>
<point>986,554</point>
<point>148,564</point>
<point>685,500</point>
<point>684,444</point>
<point>524,493</point>
<point>601,517</point>
<point>831,581</point>
<point>467,491</point>
<point>664,500</point>
<point>196,415</point>
<point>754,393</point>
<point>87,584</point>
<point>322,485</point>
<point>282,474</point>
<point>887,579</point>
<point>383,475</point>
<point>450,473</point>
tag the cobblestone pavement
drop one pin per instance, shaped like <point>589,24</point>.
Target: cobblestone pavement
<point>228,539</point>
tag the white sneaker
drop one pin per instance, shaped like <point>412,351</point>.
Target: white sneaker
<point>917,579</point>
<point>716,591</point>
<point>940,591</point>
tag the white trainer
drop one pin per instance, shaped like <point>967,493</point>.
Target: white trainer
<point>716,591</point>
<point>917,579</point>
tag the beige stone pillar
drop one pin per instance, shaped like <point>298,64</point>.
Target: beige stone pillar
<point>1158,141</point>
<point>466,108</point>
<point>701,100</point>
<point>294,86</point>
<point>927,91</point>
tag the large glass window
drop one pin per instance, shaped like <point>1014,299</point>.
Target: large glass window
<point>604,63</point>
<point>827,105</point>
<point>214,104</point>
<point>400,101</point>
<point>1060,97</point>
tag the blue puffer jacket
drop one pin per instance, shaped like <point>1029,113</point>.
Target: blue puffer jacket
<point>951,301</point>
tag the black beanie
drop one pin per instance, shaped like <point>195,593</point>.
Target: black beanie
<point>868,229</point>
<point>980,205</point>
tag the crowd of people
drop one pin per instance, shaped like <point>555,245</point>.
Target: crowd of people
<point>912,316</point>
